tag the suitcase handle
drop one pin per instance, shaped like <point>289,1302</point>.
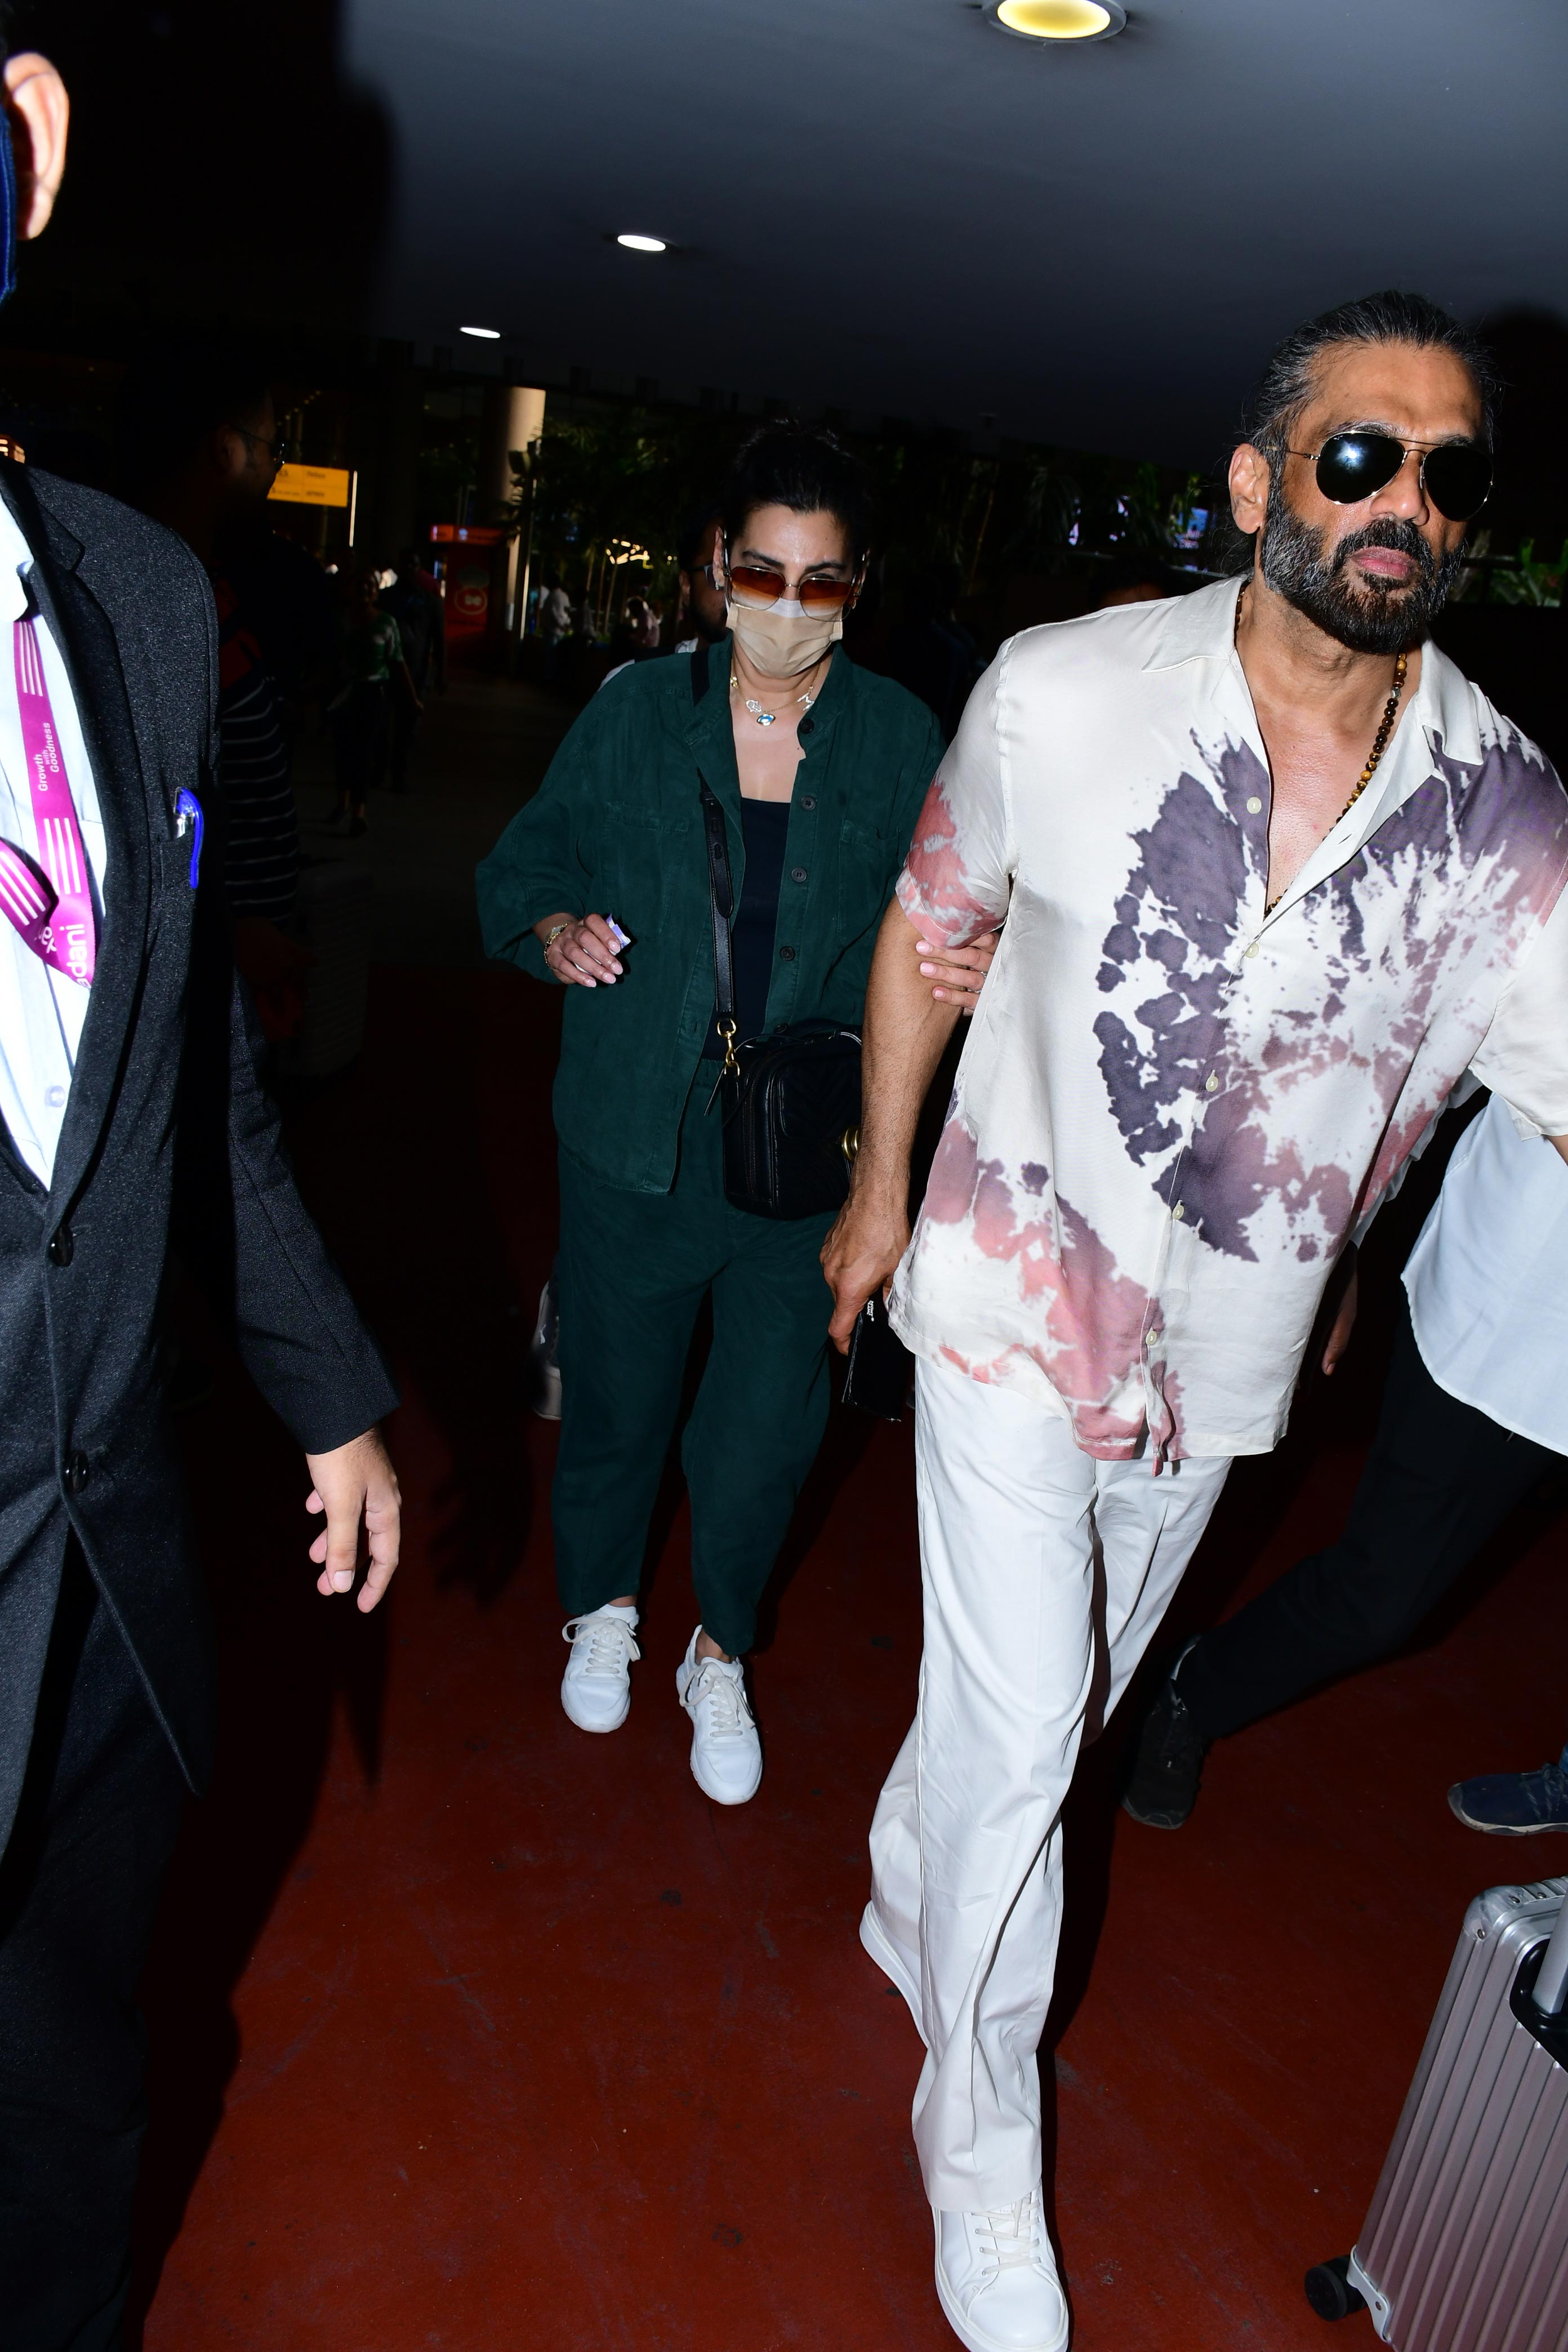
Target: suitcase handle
<point>1552,1978</point>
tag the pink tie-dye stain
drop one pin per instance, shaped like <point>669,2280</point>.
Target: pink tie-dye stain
<point>1092,1340</point>
<point>935,889</point>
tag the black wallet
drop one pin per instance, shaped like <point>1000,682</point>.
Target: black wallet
<point>880,1366</point>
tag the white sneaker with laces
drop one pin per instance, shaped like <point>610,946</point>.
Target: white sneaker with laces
<point>596,1689</point>
<point>726,1754</point>
<point>996,2280</point>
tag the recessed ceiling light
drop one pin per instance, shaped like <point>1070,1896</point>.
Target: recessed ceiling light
<point>485,335</point>
<point>1058,20</point>
<point>643,244</point>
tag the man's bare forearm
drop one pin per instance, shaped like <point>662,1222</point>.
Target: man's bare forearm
<point>905,1032</point>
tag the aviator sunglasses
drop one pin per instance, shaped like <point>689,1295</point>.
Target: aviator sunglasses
<point>760,586</point>
<point>1457,476</point>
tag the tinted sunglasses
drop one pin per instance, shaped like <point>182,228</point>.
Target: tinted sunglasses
<point>759,586</point>
<point>1457,476</point>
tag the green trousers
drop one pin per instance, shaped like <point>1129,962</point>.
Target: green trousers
<point>633,1270</point>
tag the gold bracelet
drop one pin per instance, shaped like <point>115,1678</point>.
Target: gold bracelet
<point>554,933</point>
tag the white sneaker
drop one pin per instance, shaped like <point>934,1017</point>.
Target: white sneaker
<point>596,1689</point>
<point>996,2280</point>
<point>543,1352</point>
<point>726,1754</point>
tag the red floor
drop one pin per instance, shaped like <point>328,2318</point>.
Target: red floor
<point>472,2032</point>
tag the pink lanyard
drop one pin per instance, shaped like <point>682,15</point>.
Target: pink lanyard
<point>50,905</point>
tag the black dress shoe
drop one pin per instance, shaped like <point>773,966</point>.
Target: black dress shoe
<point>1169,1762</point>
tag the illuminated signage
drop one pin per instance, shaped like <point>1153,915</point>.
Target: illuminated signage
<point>312,486</point>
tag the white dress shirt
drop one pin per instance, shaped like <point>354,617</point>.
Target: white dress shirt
<point>1177,1104</point>
<point>1489,1279</point>
<point>41,1011</point>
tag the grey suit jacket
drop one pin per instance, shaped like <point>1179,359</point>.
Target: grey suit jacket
<point>168,1143</point>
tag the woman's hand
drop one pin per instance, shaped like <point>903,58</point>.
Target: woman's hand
<point>583,952</point>
<point>959,972</point>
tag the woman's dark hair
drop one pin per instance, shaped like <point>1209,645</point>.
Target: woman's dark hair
<point>1290,379</point>
<point>809,473</point>
<point>691,539</point>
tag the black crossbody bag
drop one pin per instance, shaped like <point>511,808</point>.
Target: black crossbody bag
<point>791,1102</point>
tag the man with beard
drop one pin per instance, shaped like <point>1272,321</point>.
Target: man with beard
<point>1274,878</point>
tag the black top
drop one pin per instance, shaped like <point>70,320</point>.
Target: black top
<point>764,825</point>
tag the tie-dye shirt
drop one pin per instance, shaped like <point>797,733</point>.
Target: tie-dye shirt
<point>1173,1109</point>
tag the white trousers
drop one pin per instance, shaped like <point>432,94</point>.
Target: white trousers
<point>1045,1574</point>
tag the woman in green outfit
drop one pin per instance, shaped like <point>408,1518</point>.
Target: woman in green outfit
<point>601,884</point>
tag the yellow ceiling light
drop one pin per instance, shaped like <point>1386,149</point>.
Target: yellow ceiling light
<point>1058,20</point>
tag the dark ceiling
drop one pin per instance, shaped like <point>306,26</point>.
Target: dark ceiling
<point>890,206</point>
<point>882,206</point>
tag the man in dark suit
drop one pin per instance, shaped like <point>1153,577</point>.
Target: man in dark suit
<point>132,1124</point>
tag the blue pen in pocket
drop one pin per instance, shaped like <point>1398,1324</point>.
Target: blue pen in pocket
<point>188,820</point>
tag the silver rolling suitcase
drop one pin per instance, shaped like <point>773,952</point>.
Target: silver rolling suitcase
<point>1466,2246</point>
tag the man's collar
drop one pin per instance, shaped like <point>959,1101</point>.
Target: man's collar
<point>1202,627</point>
<point>1446,706</point>
<point>1199,627</point>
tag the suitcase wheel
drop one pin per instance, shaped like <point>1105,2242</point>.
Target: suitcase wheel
<point>1329,2291</point>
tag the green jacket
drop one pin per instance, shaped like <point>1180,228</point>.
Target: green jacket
<point>616,829</point>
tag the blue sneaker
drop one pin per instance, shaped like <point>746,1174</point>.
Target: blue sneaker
<point>1514,1804</point>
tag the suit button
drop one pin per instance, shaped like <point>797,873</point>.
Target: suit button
<point>75,1472</point>
<point>61,1248</point>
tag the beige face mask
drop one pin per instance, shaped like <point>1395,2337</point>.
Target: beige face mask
<point>783,642</point>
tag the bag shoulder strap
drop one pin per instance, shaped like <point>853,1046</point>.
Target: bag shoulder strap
<point>720,885</point>
<point>722,902</point>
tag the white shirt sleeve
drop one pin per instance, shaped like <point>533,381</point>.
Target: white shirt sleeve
<point>1523,1056</point>
<point>958,877</point>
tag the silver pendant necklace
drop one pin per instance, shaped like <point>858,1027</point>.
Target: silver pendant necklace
<point>765,717</point>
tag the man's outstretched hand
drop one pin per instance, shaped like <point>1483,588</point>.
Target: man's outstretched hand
<point>355,1483</point>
